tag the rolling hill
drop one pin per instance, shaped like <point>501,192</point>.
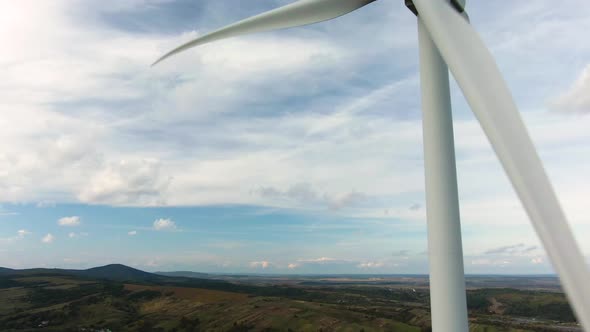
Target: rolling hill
<point>117,272</point>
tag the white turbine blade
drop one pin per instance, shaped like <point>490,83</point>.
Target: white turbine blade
<point>479,77</point>
<point>299,13</point>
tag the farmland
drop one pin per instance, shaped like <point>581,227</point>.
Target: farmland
<point>76,301</point>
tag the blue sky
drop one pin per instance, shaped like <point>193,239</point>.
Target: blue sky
<point>297,151</point>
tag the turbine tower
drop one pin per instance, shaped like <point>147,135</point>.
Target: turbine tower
<point>447,41</point>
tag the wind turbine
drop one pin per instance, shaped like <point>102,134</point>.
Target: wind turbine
<point>447,39</point>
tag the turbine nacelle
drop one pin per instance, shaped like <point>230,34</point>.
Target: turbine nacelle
<point>458,4</point>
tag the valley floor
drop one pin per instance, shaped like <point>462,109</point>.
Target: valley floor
<point>50,302</point>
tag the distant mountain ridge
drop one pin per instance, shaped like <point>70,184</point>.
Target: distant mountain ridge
<point>186,274</point>
<point>117,272</point>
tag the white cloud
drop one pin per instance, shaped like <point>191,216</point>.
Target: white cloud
<point>72,235</point>
<point>128,182</point>
<point>46,204</point>
<point>491,262</point>
<point>261,264</point>
<point>370,265</point>
<point>69,221</point>
<point>125,165</point>
<point>164,225</point>
<point>132,233</point>
<point>537,260</point>
<point>577,98</point>
<point>304,194</point>
<point>292,266</point>
<point>22,233</point>
<point>152,263</point>
<point>318,260</point>
<point>48,239</point>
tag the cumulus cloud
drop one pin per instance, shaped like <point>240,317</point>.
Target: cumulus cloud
<point>72,221</point>
<point>163,225</point>
<point>22,233</point>
<point>261,264</point>
<point>132,233</point>
<point>370,265</point>
<point>509,258</point>
<point>128,182</point>
<point>577,98</point>
<point>343,264</point>
<point>72,235</point>
<point>48,239</point>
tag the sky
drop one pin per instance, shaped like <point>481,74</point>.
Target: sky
<point>296,151</point>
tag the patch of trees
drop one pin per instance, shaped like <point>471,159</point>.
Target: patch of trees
<point>41,297</point>
<point>241,327</point>
<point>553,311</point>
<point>8,283</point>
<point>531,304</point>
<point>397,294</point>
<point>478,302</point>
<point>144,295</point>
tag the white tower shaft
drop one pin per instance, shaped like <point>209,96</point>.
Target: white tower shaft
<point>447,280</point>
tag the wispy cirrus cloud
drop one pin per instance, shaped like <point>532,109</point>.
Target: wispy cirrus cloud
<point>516,249</point>
<point>304,194</point>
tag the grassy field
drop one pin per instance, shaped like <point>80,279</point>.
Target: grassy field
<point>194,294</point>
<point>226,311</point>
